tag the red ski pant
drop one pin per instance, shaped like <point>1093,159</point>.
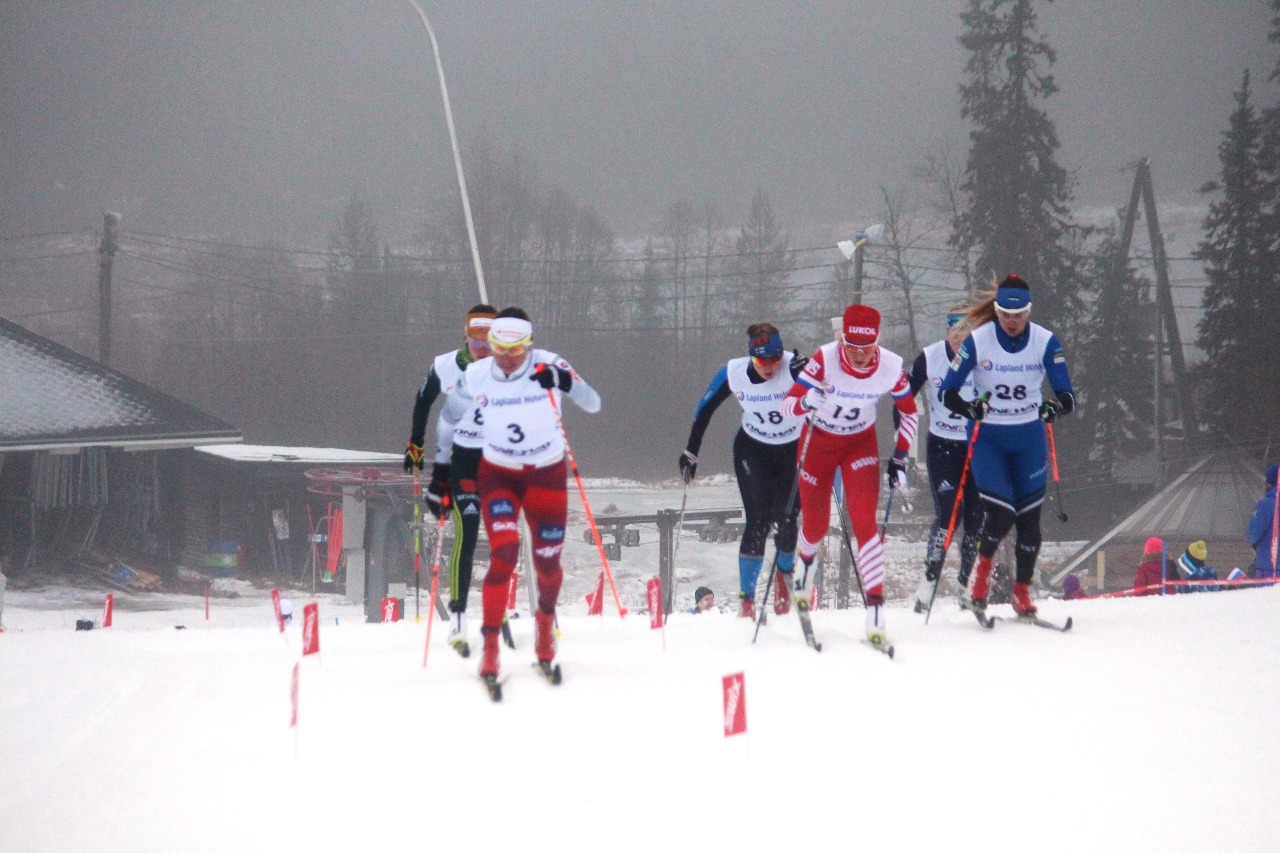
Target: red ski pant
<point>857,459</point>
<point>541,493</point>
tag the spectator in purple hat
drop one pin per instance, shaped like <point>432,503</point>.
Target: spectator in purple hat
<point>1071,588</point>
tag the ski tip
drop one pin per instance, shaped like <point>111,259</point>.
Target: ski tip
<point>817,647</point>
<point>1067,625</point>
<point>889,652</point>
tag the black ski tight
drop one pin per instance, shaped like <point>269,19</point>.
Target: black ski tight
<point>765,473</point>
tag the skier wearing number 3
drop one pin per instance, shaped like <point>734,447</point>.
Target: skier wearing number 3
<point>518,390</point>
<point>838,391</point>
<point>1008,357</point>
<point>764,452</point>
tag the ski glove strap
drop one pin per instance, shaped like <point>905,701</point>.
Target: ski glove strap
<point>413,457</point>
<point>688,466</point>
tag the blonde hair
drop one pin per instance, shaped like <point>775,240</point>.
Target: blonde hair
<point>982,309</point>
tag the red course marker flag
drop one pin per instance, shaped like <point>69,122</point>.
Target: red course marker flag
<point>511,593</point>
<point>311,629</point>
<point>390,609</point>
<point>106,610</point>
<point>654,590</point>
<point>735,705</point>
<point>595,600</point>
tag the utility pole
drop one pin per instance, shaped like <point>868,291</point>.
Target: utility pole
<point>106,256</point>
<point>1166,324</point>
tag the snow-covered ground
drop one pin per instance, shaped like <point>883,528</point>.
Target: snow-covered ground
<point>1144,728</point>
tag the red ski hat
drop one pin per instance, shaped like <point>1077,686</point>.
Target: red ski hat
<point>1154,546</point>
<point>861,325</point>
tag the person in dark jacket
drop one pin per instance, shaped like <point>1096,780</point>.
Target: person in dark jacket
<point>1262,528</point>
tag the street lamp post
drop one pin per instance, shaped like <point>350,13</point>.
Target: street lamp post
<point>850,250</point>
<point>457,156</point>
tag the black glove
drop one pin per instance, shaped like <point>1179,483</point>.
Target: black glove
<point>412,457</point>
<point>549,376</point>
<point>798,362</point>
<point>896,472</point>
<point>688,466</point>
<point>1049,410</point>
<point>438,489</point>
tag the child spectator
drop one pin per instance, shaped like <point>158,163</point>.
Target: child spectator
<point>1071,588</point>
<point>703,599</point>
<point>1192,567</point>
<point>1150,574</point>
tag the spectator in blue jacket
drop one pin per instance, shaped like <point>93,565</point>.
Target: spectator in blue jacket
<point>1260,532</point>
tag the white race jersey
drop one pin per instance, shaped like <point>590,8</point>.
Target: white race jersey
<point>519,425</point>
<point>943,422</point>
<point>468,431</point>
<point>762,415</point>
<point>1012,378</point>
<point>850,402</point>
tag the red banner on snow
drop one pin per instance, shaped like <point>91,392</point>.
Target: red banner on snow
<point>595,600</point>
<point>390,609</point>
<point>735,705</point>
<point>293,697</point>
<point>106,610</point>
<point>275,603</point>
<point>511,593</point>
<point>311,629</point>
<point>654,590</point>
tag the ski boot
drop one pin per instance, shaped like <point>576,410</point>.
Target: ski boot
<point>876,634</point>
<point>924,593</point>
<point>1022,604</point>
<point>746,606</point>
<point>782,593</point>
<point>544,644</point>
<point>489,654</point>
<point>976,600</point>
<point>458,634</point>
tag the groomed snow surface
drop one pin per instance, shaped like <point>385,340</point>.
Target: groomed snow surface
<point>1150,726</point>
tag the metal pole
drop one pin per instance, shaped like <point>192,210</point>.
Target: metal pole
<point>457,156</point>
<point>106,256</point>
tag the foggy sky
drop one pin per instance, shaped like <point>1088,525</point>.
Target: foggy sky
<point>258,119</point>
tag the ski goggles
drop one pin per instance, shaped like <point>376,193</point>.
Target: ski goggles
<point>514,349</point>
<point>766,361</point>
<point>510,336</point>
<point>1013,312</point>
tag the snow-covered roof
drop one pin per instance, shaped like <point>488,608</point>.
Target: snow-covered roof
<point>51,397</point>
<point>308,455</point>
<point>1211,501</point>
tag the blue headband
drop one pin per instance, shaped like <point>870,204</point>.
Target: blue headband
<point>1013,298</point>
<point>766,346</point>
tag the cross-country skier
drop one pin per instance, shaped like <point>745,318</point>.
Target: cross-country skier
<point>764,453</point>
<point>522,466</point>
<point>945,450</point>
<point>838,390</point>
<point>1008,357</point>
<point>453,472</point>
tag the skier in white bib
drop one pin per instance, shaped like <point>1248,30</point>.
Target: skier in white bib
<point>517,392</point>
<point>1009,358</point>
<point>764,453</point>
<point>453,472</point>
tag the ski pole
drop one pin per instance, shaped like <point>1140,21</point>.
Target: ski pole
<point>582,492</point>
<point>955,509</point>
<point>435,574</point>
<point>791,502</point>
<point>675,546</point>
<point>1057,485</point>
<point>417,544</point>
<point>884,525</point>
